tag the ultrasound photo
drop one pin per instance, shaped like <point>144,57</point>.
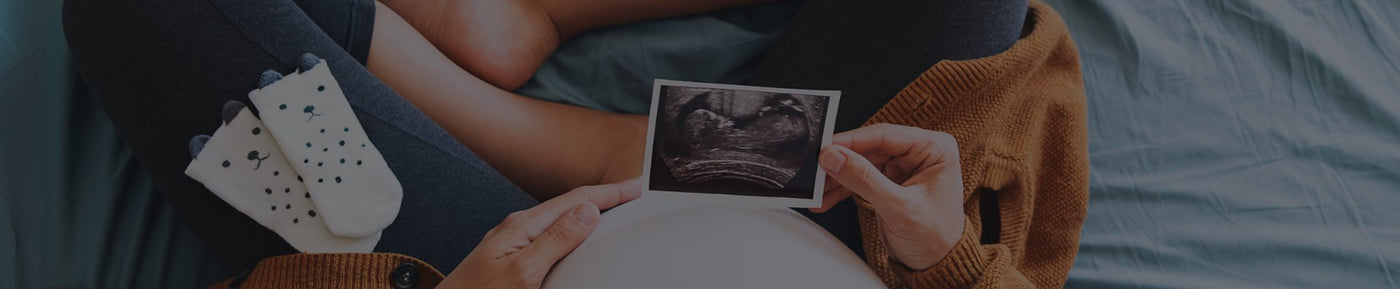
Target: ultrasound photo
<point>754,145</point>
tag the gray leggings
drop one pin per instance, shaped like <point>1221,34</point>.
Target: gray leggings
<point>163,70</point>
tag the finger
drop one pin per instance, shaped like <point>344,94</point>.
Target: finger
<point>830,185</point>
<point>830,199</point>
<point>909,149</point>
<point>895,140</point>
<point>562,237</point>
<point>498,243</point>
<point>872,139</point>
<point>856,173</point>
<point>832,193</point>
<point>603,197</point>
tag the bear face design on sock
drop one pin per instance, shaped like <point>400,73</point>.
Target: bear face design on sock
<point>318,131</point>
<point>243,165</point>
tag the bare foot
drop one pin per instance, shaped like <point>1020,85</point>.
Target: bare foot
<point>501,41</point>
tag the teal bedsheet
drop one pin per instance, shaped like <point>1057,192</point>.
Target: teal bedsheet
<point>1240,144</point>
<point>75,210</point>
<point>1233,144</point>
<point>612,68</point>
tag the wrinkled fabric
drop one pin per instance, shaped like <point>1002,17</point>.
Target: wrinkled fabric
<point>1240,144</point>
<point>75,209</point>
<point>612,68</point>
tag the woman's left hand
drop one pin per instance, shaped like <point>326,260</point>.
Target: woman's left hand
<point>522,249</point>
<point>911,177</point>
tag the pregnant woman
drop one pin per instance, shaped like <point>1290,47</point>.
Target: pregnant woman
<point>996,201</point>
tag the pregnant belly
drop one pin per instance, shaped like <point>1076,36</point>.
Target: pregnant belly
<point>659,241</point>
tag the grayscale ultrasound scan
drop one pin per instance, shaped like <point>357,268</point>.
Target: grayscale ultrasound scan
<point>738,140</point>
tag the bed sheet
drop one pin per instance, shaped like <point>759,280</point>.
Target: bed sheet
<point>75,209</point>
<point>1240,144</point>
<point>612,68</point>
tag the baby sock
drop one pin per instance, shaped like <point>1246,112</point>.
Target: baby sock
<point>242,165</point>
<point>323,140</point>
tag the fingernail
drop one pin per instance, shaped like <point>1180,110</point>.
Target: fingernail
<point>632,183</point>
<point>832,159</point>
<point>633,190</point>
<point>586,214</point>
<point>578,212</point>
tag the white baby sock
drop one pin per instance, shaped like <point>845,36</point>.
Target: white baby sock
<point>242,164</point>
<point>350,182</point>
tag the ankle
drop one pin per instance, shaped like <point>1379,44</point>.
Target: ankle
<point>558,16</point>
<point>426,16</point>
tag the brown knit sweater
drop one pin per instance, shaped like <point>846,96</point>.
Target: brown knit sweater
<point>1019,118</point>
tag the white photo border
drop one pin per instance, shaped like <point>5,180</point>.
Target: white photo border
<point>833,100</point>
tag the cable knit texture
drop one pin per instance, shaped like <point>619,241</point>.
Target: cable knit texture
<point>1019,118</point>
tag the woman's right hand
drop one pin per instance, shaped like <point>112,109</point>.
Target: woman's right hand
<point>913,179</point>
<point>522,249</point>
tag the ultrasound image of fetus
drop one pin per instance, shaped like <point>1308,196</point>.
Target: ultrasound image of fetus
<point>737,141</point>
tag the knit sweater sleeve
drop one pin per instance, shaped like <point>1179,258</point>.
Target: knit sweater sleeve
<point>1021,125</point>
<point>1032,251</point>
<point>968,265</point>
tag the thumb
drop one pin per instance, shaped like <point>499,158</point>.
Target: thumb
<point>856,173</point>
<point>562,237</point>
